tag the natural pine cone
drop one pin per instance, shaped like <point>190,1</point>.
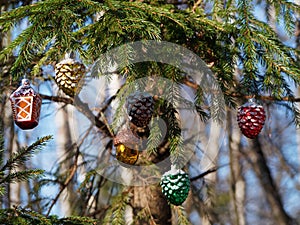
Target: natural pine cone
<point>251,118</point>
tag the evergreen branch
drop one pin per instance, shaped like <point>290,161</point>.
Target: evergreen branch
<point>154,138</point>
<point>25,216</point>
<point>25,153</point>
<point>181,215</point>
<point>19,176</point>
<point>77,220</point>
<point>239,95</point>
<point>196,5</point>
<point>266,98</point>
<point>115,214</point>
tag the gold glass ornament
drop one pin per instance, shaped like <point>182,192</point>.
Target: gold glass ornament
<point>127,147</point>
<point>126,155</point>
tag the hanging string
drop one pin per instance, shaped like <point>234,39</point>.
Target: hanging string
<point>68,55</point>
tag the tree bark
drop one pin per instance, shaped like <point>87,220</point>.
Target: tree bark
<point>65,153</point>
<point>262,171</point>
<point>237,182</point>
<point>151,199</point>
<point>210,160</point>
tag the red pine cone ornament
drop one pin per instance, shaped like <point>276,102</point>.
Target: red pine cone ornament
<point>251,118</point>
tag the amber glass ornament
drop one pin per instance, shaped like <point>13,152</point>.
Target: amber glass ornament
<point>127,155</point>
<point>68,75</point>
<point>26,106</point>
<point>127,144</point>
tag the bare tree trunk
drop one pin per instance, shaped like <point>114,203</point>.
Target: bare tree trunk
<point>65,153</point>
<point>210,160</point>
<point>2,137</point>
<point>151,199</point>
<point>262,171</point>
<point>237,182</point>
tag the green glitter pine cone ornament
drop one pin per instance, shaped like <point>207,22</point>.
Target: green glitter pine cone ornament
<point>175,185</point>
<point>140,106</point>
<point>68,74</point>
<point>251,118</point>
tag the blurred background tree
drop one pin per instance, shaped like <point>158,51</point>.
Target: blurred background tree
<point>252,48</point>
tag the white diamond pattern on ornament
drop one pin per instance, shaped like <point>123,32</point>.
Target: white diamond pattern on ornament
<point>24,108</point>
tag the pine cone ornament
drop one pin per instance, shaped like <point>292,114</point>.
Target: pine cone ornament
<point>68,73</point>
<point>251,118</point>
<point>140,107</point>
<point>126,144</point>
<point>175,186</point>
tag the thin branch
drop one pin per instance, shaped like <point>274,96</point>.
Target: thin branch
<point>196,86</point>
<point>201,175</point>
<point>196,5</point>
<point>58,99</point>
<point>84,109</point>
<point>67,181</point>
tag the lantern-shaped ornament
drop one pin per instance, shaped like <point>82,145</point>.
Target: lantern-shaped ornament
<point>26,106</point>
<point>127,144</point>
<point>68,74</point>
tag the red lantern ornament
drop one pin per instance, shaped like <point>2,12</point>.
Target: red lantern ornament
<point>251,118</point>
<point>26,106</point>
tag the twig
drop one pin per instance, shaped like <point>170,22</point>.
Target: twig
<point>195,86</point>
<point>201,175</point>
<point>195,6</point>
<point>58,99</point>
<point>66,183</point>
<point>83,108</point>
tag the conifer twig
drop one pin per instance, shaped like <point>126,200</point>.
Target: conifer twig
<point>196,5</point>
<point>73,170</point>
<point>195,86</point>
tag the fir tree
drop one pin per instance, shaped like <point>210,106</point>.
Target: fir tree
<point>244,53</point>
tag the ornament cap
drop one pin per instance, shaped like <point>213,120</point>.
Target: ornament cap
<point>127,138</point>
<point>24,90</point>
<point>25,82</point>
<point>250,100</point>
